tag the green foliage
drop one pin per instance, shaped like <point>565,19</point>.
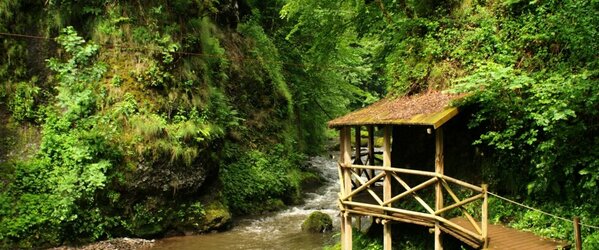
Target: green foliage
<point>547,226</point>
<point>25,100</point>
<point>255,180</point>
<point>77,77</point>
<point>536,104</point>
<point>530,68</point>
<point>365,241</point>
<point>53,195</point>
<point>360,241</point>
<point>190,79</point>
<point>267,56</point>
<point>539,119</point>
<point>215,62</point>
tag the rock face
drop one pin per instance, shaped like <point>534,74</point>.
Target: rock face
<point>317,222</point>
<point>163,176</point>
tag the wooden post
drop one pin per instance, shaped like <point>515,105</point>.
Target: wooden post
<point>341,179</point>
<point>346,230</point>
<point>438,187</point>
<point>358,160</point>
<point>484,220</point>
<point>371,160</point>
<point>577,235</point>
<point>387,240</point>
<point>371,146</point>
<point>387,146</point>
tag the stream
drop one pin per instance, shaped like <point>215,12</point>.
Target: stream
<point>280,230</point>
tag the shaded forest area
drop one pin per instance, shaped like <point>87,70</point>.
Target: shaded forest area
<point>153,118</point>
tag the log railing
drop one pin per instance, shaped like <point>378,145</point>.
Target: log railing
<point>352,201</point>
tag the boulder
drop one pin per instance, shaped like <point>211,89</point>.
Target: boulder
<point>317,222</point>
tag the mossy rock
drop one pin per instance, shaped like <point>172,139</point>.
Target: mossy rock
<point>217,217</point>
<point>317,222</point>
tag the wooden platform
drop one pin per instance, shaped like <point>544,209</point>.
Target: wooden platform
<point>501,237</point>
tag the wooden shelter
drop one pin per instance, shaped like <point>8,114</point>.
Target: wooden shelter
<point>363,183</point>
<point>410,183</point>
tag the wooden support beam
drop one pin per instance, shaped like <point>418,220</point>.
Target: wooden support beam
<point>358,139</point>
<point>341,165</point>
<point>459,204</point>
<point>473,242</point>
<point>420,200</point>
<point>390,209</point>
<point>387,146</point>
<point>366,185</point>
<point>438,188</point>
<point>411,191</point>
<point>370,145</point>
<point>457,227</point>
<point>395,170</point>
<point>462,183</point>
<point>346,159</point>
<point>341,181</point>
<point>456,199</point>
<point>347,186</point>
<point>341,161</point>
<point>413,214</point>
<point>387,240</point>
<point>394,217</point>
<point>371,159</point>
<point>484,221</point>
<point>358,160</point>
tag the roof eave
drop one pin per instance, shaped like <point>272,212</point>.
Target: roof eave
<point>435,120</point>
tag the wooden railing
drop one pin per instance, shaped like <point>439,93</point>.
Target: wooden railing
<point>367,181</point>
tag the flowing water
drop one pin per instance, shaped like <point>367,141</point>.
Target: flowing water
<point>281,230</point>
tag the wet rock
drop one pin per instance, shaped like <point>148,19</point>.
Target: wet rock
<point>217,217</point>
<point>155,176</point>
<point>317,222</point>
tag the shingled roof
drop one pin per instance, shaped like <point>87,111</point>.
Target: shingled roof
<point>431,109</point>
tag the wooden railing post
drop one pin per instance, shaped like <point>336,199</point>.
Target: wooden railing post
<point>342,181</point>
<point>346,225</point>
<point>438,187</point>
<point>387,239</point>
<point>484,217</point>
<point>577,236</point>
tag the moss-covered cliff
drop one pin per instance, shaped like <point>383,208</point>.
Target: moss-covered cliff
<point>144,118</point>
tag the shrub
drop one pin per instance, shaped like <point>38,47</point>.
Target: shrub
<point>256,179</point>
<point>23,104</point>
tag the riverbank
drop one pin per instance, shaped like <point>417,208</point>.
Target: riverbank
<point>266,230</point>
<point>113,244</point>
<point>274,230</point>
